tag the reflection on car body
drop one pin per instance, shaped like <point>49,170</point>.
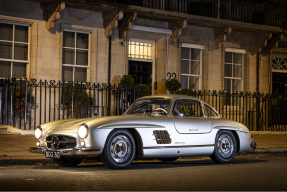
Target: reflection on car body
<point>161,126</point>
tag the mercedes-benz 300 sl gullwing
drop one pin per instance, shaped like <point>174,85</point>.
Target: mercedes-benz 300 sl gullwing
<point>165,127</point>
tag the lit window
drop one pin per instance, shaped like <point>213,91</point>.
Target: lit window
<point>13,50</point>
<point>139,49</point>
<point>75,56</point>
<point>191,66</point>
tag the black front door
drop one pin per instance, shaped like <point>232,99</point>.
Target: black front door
<point>141,72</point>
<point>279,83</point>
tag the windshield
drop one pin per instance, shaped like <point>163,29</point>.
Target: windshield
<point>152,105</point>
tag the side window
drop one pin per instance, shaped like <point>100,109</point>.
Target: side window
<point>188,108</point>
<point>209,112</point>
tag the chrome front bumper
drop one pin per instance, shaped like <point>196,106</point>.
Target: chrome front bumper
<point>70,152</point>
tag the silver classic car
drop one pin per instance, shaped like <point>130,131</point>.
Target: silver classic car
<point>165,127</point>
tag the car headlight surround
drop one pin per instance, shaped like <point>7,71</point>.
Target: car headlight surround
<point>83,131</point>
<point>38,132</point>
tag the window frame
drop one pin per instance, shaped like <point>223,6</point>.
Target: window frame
<point>74,65</point>
<point>239,51</point>
<point>200,48</point>
<point>212,109</point>
<point>13,60</point>
<point>191,100</point>
<point>277,59</point>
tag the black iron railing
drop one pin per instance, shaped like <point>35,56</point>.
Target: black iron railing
<point>258,111</point>
<point>264,12</point>
<point>27,104</point>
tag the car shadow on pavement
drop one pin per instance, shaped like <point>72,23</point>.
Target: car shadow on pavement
<point>152,164</point>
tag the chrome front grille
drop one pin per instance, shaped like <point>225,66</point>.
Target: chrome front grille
<point>162,137</point>
<point>60,142</point>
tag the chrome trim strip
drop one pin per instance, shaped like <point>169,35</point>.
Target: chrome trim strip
<point>187,146</point>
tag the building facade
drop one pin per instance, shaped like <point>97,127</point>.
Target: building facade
<point>69,41</point>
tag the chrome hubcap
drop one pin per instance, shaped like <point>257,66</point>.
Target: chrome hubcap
<point>225,145</point>
<point>120,148</point>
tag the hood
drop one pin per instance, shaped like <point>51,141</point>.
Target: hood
<point>63,126</point>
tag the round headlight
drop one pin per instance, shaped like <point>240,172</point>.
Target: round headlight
<point>83,131</point>
<point>38,132</point>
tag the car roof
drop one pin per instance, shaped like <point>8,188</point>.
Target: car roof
<point>172,97</point>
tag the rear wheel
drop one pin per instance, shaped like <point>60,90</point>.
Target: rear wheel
<point>67,162</point>
<point>225,147</point>
<point>168,160</point>
<point>120,149</point>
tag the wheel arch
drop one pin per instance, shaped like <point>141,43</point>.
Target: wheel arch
<point>237,140</point>
<point>138,141</point>
<point>234,132</point>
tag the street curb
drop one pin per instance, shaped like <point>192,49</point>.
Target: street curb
<point>5,162</point>
<point>268,133</point>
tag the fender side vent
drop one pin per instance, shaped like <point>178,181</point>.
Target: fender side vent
<point>162,137</point>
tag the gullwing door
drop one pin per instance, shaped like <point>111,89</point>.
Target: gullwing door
<point>189,117</point>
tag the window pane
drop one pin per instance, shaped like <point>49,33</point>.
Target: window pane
<point>236,85</point>
<point>189,108</point>
<point>194,83</point>
<point>227,84</point>
<point>80,74</point>
<point>195,67</point>
<point>6,31</point>
<point>228,70</point>
<point>184,67</point>
<point>184,82</point>
<point>21,33</point>
<point>68,56</point>
<point>82,41</point>
<point>237,58</point>
<point>185,53</point>
<point>82,58</point>
<point>5,69</point>
<point>237,71</point>
<point>67,74</point>
<point>195,54</point>
<point>19,70</point>
<point>21,51</point>
<point>209,112</point>
<point>228,57</point>
<point>69,39</point>
<point>5,50</point>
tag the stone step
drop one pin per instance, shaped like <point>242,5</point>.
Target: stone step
<point>3,129</point>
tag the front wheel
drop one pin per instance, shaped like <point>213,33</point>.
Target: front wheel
<point>67,162</point>
<point>225,147</point>
<point>120,149</point>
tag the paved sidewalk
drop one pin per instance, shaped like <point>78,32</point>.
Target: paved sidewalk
<point>14,148</point>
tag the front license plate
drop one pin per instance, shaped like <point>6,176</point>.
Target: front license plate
<point>53,154</point>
